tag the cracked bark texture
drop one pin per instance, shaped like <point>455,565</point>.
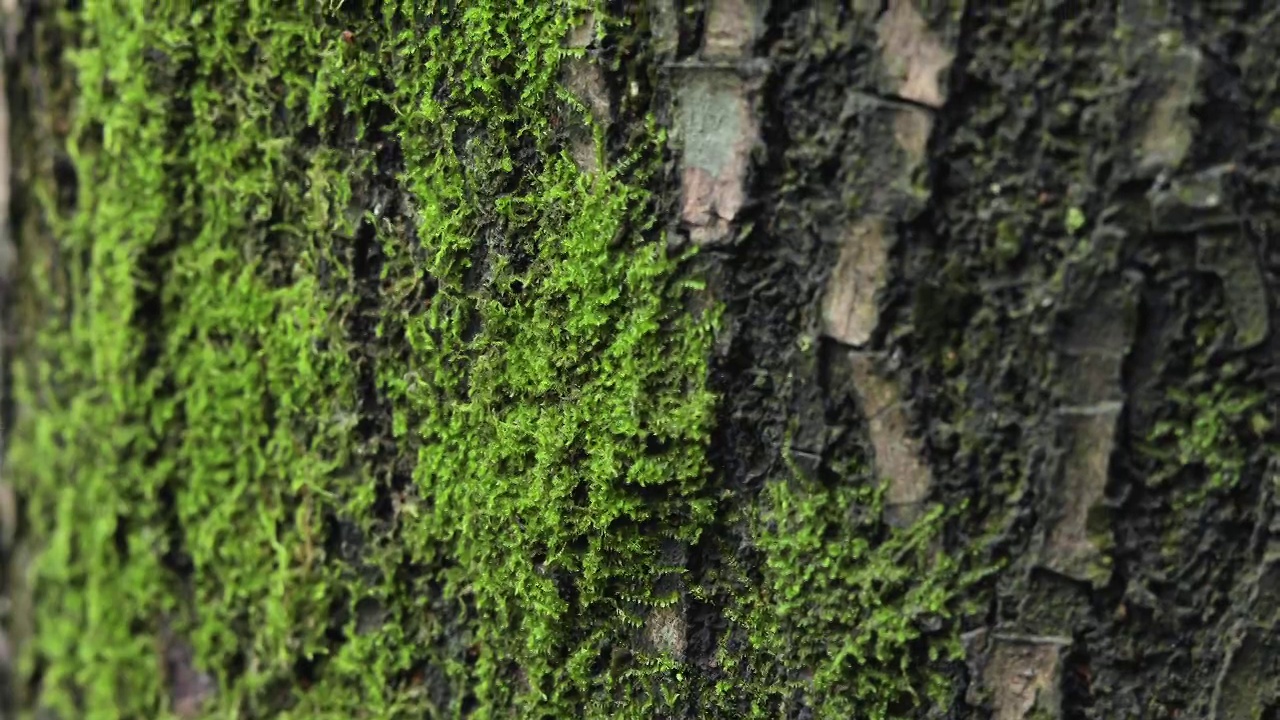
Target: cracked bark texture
<point>1009,246</point>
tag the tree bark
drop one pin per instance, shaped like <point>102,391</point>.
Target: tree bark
<point>1033,241</point>
<point>958,403</point>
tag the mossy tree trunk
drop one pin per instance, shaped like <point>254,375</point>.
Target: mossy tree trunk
<point>669,359</point>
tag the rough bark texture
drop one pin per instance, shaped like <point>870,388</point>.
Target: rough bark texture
<point>729,359</point>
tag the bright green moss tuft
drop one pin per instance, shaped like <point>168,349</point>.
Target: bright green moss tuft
<point>853,618</point>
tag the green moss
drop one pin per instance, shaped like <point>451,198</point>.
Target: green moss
<point>1214,420</point>
<point>852,618</point>
<point>341,371</point>
<point>1075,220</point>
<point>1008,241</point>
<point>204,415</point>
<point>1213,431</point>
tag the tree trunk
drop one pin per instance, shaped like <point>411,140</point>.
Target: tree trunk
<point>737,358</point>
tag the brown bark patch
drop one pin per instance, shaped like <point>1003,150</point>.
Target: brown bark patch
<point>190,688</point>
<point>911,129</point>
<point>897,453</point>
<point>666,629</point>
<point>1020,676</point>
<point>849,310</point>
<point>913,54</point>
<point>584,33</point>
<point>731,28</point>
<point>1167,135</point>
<point>586,81</point>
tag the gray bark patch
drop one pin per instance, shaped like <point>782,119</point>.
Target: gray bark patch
<point>718,130</point>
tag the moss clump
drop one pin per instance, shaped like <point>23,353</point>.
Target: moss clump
<point>853,618</point>
<point>343,373</point>
<point>1212,423</point>
<point>1216,422</point>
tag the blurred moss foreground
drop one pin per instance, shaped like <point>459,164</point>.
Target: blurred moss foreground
<point>363,390</point>
<point>346,393</point>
